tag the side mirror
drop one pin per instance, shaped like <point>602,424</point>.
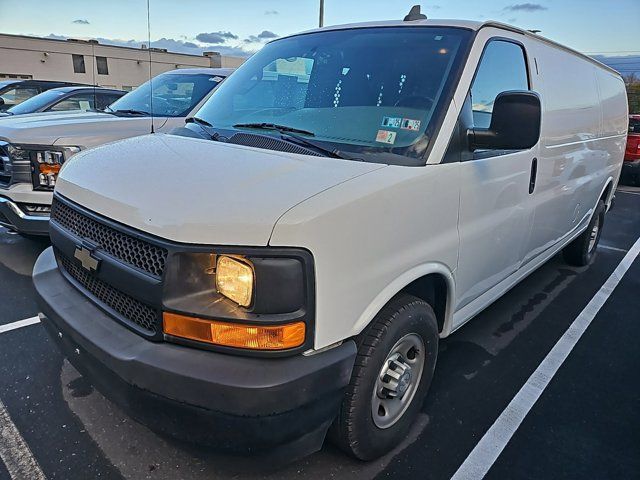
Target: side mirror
<point>515,123</point>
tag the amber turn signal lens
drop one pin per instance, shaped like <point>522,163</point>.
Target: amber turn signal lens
<point>47,168</point>
<point>253,337</point>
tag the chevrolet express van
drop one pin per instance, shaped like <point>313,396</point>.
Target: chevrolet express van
<point>33,147</point>
<point>283,271</point>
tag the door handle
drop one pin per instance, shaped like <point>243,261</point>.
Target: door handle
<point>534,174</point>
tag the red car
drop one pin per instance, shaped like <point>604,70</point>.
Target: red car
<point>631,165</point>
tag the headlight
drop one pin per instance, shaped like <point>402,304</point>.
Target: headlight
<point>234,280</point>
<point>46,162</point>
<point>248,298</point>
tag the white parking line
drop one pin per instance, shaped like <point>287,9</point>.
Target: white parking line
<point>19,324</point>
<point>487,451</point>
<point>609,247</point>
<point>14,451</point>
<point>630,192</point>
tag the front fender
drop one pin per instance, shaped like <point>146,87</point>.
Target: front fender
<point>400,283</point>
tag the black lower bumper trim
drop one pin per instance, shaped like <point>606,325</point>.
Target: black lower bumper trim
<point>249,405</point>
<point>12,217</point>
<point>632,167</point>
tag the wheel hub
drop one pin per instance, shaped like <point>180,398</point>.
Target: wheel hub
<point>593,237</point>
<point>398,380</point>
<point>395,379</point>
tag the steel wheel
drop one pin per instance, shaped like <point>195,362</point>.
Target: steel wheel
<point>593,237</point>
<point>398,380</point>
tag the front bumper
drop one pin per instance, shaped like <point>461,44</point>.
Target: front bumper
<point>243,404</point>
<point>14,218</point>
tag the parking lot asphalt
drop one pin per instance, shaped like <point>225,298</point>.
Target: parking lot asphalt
<point>586,424</point>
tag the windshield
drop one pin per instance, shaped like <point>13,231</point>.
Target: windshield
<point>14,95</point>
<point>368,90</point>
<point>174,95</point>
<point>34,104</point>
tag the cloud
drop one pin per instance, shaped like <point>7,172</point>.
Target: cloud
<point>215,38</point>
<point>525,7</point>
<point>81,21</point>
<point>267,35</point>
<point>171,45</point>
<point>626,65</point>
<point>261,37</point>
<point>271,12</point>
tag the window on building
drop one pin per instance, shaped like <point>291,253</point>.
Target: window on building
<point>103,67</point>
<point>502,67</point>
<point>78,63</point>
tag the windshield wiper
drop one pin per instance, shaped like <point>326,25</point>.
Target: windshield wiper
<point>130,111</point>
<point>198,120</point>
<point>289,134</point>
<point>273,126</point>
<point>201,122</point>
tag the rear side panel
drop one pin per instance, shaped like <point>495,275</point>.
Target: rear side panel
<point>581,144</point>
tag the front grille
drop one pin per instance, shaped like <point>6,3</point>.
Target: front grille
<point>133,251</point>
<point>129,308</point>
<point>5,166</point>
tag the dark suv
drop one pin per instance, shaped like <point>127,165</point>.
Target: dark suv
<point>13,92</point>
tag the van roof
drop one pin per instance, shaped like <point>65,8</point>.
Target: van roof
<point>468,24</point>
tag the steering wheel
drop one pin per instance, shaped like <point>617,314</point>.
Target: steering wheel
<point>412,100</point>
<point>162,104</point>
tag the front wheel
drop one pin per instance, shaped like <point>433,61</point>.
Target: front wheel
<point>392,373</point>
<point>581,251</point>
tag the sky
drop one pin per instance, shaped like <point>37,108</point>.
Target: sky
<point>241,27</point>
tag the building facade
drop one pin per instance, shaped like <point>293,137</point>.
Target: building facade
<point>89,62</point>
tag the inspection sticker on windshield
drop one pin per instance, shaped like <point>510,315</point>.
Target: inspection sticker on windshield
<point>410,124</point>
<point>385,136</point>
<point>391,122</point>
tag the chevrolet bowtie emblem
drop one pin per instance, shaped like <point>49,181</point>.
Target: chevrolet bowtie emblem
<point>86,259</point>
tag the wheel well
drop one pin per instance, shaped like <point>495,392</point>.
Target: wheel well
<point>432,289</point>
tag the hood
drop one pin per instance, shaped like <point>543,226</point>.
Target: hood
<point>199,191</point>
<point>83,129</point>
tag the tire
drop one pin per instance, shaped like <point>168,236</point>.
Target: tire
<point>406,320</point>
<point>581,251</point>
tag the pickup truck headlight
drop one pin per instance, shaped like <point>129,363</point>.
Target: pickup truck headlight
<point>46,162</point>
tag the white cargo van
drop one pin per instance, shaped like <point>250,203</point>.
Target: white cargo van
<point>33,147</point>
<point>354,194</point>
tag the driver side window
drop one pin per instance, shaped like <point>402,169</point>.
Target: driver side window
<point>82,101</point>
<point>502,67</point>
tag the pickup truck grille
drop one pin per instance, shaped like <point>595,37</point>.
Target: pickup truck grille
<point>125,306</point>
<point>5,166</point>
<point>140,254</point>
<point>13,171</point>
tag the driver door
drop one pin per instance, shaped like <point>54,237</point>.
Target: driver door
<point>494,213</point>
